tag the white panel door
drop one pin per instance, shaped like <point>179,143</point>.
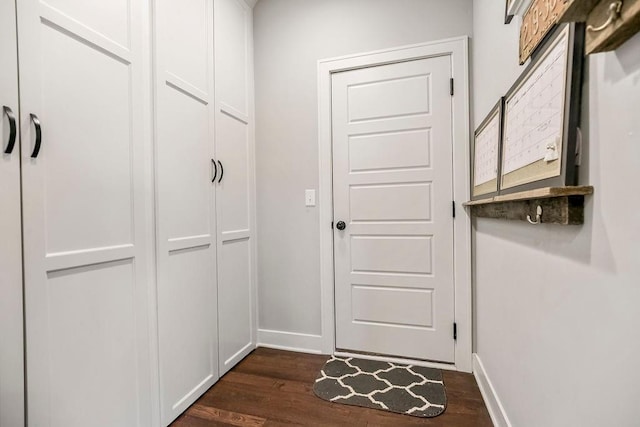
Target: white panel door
<point>11,342</point>
<point>393,186</point>
<point>187,301</point>
<point>82,75</point>
<point>234,149</point>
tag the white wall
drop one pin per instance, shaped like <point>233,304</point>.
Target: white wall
<point>290,37</point>
<point>557,308</point>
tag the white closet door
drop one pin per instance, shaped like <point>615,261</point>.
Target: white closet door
<point>82,73</point>
<point>187,300</point>
<point>234,148</point>
<point>392,191</point>
<point>11,345</point>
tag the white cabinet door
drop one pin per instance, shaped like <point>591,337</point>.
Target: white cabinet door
<point>234,148</point>
<point>83,74</point>
<point>11,343</point>
<point>187,301</point>
<point>393,186</point>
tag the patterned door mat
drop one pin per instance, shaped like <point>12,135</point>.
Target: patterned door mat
<point>405,389</point>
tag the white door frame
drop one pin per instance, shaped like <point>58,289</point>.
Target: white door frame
<point>458,50</point>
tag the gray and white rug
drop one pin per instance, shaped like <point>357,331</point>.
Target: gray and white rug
<point>405,389</point>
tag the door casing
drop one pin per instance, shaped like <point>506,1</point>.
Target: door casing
<point>458,50</point>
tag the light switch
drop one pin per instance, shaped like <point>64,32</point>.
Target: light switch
<point>310,197</point>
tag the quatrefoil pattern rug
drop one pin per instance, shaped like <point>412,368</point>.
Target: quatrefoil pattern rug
<point>405,389</point>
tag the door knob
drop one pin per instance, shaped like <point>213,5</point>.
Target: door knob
<point>341,225</point>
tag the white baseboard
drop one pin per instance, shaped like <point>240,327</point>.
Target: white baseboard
<point>491,399</point>
<point>281,340</point>
<point>228,364</point>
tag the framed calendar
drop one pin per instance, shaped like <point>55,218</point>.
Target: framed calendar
<point>485,154</point>
<point>542,114</point>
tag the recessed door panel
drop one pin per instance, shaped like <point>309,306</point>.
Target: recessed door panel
<point>186,357</point>
<point>110,20</point>
<point>232,148</point>
<point>392,254</point>
<point>235,300</point>
<point>392,202</point>
<point>92,310</point>
<point>185,46</point>
<point>392,306</point>
<point>388,151</point>
<point>232,54</point>
<point>185,162</point>
<point>364,99</point>
<point>99,145</point>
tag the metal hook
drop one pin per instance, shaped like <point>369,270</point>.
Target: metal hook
<point>614,13</point>
<point>538,216</point>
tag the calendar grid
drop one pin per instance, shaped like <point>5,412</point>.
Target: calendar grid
<point>534,113</point>
<point>486,152</point>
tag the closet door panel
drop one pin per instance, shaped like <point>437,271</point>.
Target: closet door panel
<point>186,215</point>
<point>234,147</point>
<point>235,298</point>
<point>11,332</point>
<point>187,362</point>
<point>90,312</point>
<point>88,170</point>
<point>232,55</point>
<point>106,19</point>
<point>185,165</point>
<point>82,74</point>
<point>185,40</point>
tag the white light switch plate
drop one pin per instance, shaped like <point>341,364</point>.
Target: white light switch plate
<point>310,197</point>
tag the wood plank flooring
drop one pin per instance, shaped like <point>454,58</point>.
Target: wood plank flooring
<point>274,388</point>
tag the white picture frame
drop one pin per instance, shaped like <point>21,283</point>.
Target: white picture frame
<point>518,7</point>
<point>515,7</point>
<point>486,150</point>
<point>536,150</point>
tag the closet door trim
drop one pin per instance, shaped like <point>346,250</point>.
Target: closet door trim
<point>11,313</point>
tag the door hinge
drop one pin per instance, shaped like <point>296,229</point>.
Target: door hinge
<point>451,87</point>
<point>455,331</point>
<point>332,225</point>
<point>453,208</point>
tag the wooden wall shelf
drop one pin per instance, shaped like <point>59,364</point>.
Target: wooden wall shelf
<point>609,29</point>
<point>560,205</point>
<point>577,10</point>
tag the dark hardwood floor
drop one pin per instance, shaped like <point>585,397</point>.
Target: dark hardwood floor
<point>273,387</point>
